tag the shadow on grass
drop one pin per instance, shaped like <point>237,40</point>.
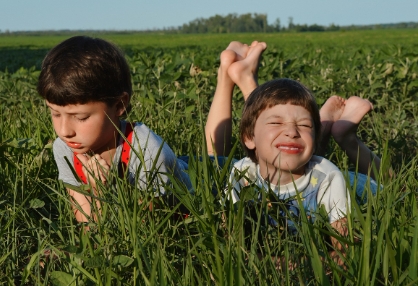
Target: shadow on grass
<point>13,59</point>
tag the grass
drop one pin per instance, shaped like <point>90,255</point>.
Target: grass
<point>217,244</point>
<point>161,39</point>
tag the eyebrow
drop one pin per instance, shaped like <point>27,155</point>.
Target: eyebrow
<point>274,116</point>
<point>69,113</point>
<point>50,107</point>
<point>280,117</point>
<point>306,118</point>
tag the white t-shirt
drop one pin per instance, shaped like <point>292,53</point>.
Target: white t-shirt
<point>322,184</point>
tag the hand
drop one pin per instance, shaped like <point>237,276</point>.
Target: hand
<point>94,168</point>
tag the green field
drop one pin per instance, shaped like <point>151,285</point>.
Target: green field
<point>28,50</point>
<point>140,40</point>
<point>218,245</point>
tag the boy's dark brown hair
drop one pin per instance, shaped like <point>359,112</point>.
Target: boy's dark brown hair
<point>81,70</point>
<point>272,93</point>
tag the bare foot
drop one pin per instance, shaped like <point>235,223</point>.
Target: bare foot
<point>330,112</point>
<point>244,73</point>
<point>239,49</point>
<point>354,111</point>
<point>235,51</point>
<point>227,58</point>
<point>344,131</point>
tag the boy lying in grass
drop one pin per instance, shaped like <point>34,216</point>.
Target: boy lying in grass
<point>280,130</point>
<point>86,84</point>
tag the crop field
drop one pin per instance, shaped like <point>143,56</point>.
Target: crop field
<point>218,244</point>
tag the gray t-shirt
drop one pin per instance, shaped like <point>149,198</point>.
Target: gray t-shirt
<point>147,145</point>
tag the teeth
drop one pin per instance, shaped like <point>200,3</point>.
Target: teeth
<point>288,148</point>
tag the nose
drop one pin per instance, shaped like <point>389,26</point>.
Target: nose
<point>291,130</point>
<point>65,128</point>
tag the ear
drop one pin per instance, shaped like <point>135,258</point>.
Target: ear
<point>123,103</point>
<point>249,143</point>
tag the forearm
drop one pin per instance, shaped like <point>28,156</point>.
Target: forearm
<point>367,161</point>
<point>218,129</point>
<point>339,252</point>
<point>82,206</point>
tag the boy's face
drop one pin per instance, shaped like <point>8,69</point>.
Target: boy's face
<point>284,142</point>
<point>86,127</point>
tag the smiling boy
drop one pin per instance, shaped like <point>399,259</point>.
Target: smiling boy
<point>280,129</point>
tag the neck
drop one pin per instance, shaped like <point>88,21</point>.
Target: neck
<point>280,177</point>
<point>108,153</point>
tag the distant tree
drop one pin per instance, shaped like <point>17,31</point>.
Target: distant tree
<point>232,23</point>
<point>316,28</point>
<point>333,27</point>
<point>276,25</point>
<point>291,25</point>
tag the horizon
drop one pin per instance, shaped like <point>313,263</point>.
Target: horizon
<point>131,15</point>
<point>164,28</point>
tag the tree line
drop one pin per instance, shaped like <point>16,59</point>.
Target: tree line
<point>253,23</point>
<point>245,23</point>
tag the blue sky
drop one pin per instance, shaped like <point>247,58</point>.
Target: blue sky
<point>23,15</point>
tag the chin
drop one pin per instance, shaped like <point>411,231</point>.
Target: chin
<point>81,150</point>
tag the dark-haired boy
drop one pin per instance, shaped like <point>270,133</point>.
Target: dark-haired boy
<point>86,84</point>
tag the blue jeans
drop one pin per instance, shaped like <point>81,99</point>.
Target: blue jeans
<point>362,181</point>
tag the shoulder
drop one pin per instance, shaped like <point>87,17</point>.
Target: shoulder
<point>152,154</point>
<point>141,128</point>
<point>322,165</point>
<point>326,172</point>
<point>245,164</point>
<point>244,168</point>
<point>332,190</point>
<point>145,136</point>
<point>61,150</point>
<point>151,145</point>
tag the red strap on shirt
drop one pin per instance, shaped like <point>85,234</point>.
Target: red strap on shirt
<point>126,148</point>
<point>126,151</point>
<point>79,169</point>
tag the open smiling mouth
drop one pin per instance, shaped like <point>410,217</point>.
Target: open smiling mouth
<point>290,148</point>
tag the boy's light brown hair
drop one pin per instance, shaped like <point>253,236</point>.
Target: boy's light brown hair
<point>83,69</point>
<point>272,93</point>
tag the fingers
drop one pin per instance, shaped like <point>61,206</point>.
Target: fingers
<point>94,168</point>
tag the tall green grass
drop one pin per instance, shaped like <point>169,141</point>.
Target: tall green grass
<point>217,243</point>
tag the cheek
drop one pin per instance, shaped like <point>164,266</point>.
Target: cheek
<point>315,140</point>
<point>313,144</point>
<point>55,123</point>
<point>310,139</point>
<point>266,133</point>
